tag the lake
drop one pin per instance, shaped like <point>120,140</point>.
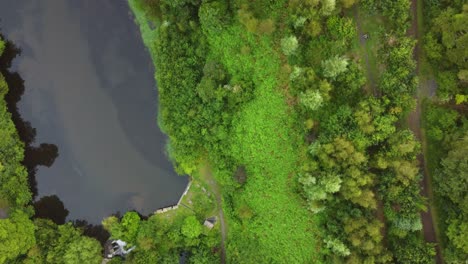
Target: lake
<point>90,90</point>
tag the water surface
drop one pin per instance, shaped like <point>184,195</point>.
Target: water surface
<point>89,89</point>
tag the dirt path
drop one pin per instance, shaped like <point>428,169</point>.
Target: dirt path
<point>414,122</point>
<point>206,172</point>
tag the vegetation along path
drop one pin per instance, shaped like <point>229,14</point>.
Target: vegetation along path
<point>414,122</point>
<point>209,179</point>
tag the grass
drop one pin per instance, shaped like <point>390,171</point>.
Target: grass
<point>370,24</point>
<point>199,200</point>
<point>279,227</point>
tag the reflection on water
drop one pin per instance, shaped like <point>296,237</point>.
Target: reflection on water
<point>89,93</point>
<point>45,154</point>
<point>52,208</point>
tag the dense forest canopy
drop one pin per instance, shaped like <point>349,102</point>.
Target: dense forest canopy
<point>298,122</point>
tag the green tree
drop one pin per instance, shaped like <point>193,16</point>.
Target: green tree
<point>457,232</point>
<point>71,247</point>
<point>191,227</point>
<point>130,224</point>
<point>413,250</point>
<point>328,6</point>
<point>16,235</point>
<point>289,45</point>
<point>452,178</point>
<point>334,66</point>
<point>337,246</point>
<point>311,99</point>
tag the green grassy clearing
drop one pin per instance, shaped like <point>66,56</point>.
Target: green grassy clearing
<point>263,140</point>
<point>372,25</point>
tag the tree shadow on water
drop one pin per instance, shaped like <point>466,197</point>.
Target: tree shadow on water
<point>45,154</point>
<point>50,207</point>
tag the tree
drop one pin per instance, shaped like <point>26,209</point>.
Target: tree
<point>432,47</point>
<point>337,246</point>
<point>413,250</point>
<point>448,85</point>
<point>328,6</point>
<point>319,188</point>
<point>130,224</point>
<point>213,16</point>
<point>289,45</point>
<point>191,227</point>
<point>69,246</point>
<point>452,177</point>
<point>348,3</point>
<point>441,122</point>
<point>311,99</point>
<point>334,66</point>
<point>364,234</point>
<point>83,250</point>
<point>457,232</point>
<point>16,235</point>
<point>341,29</point>
<point>450,26</point>
<point>313,28</point>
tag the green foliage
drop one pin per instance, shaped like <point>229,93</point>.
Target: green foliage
<point>398,80</point>
<point>413,250</point>
<point>398,14</point>
<point>191,227</point>
<point>312,100</point>
<point>453,173</point>
<point>446,135</point>
<point>228,96</point>
<point>441,122</point>
<point>213,16</point>
<point>341,30</point>
<point>160,239</point>
<point>337,247</point>
<point>328,6</point>
<point>13,175</point>
<point>126,229</point>
<point>445,45</point>
<point>16,235</point>
<point>70,247</point>
<point>334,66</point>
<point>289,45</point>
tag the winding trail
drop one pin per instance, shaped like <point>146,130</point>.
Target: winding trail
<point>414,122</point>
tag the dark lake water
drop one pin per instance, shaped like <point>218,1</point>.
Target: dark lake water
<point>89,90</point>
